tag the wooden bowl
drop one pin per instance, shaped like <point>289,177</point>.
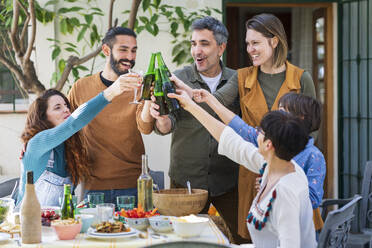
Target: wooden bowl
<point>177,202</point>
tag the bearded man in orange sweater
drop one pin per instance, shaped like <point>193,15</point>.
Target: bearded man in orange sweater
<point>113,139</point>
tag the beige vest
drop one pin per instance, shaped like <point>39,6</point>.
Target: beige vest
<point>253,106</point>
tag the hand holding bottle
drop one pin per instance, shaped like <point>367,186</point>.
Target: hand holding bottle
<point>183,98</point>
<point>126,82</point>
<point>181,85</point>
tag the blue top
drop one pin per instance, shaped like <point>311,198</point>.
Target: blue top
<point>40,146</point>
<point>310,159</point>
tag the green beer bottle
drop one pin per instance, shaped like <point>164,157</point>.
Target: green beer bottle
<point>148,79</point>
<point>159,94</point>
<point>162,65</point>
<point>67,207</point>
<point>172,104</point>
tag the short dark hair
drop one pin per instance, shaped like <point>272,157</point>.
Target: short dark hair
<point>305,107</point>
<point>219,30</point>
<point>110,36</point>
<point>286,132</point>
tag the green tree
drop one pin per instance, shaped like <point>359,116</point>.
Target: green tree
<point>18,29</point>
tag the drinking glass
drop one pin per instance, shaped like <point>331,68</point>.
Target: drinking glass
<point>135,89</point>
<point>95,198</point>
<point>125,201</point>
<point>105,212</point>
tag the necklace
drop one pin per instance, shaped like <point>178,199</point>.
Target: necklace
<point>259,224</point>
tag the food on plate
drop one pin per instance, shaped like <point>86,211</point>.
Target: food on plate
<point>3,212</point>
<point>191,219</point>
<point>10,228</point>
<point>69,221</point>
<point>108,227</point>
<point>138,212</point>
<point>47,216</point>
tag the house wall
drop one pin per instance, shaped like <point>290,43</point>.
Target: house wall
<point>157,147</point>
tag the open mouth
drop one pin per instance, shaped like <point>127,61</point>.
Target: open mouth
<point>126,64</point>
<point>200,60</point>
<point>254,57</point>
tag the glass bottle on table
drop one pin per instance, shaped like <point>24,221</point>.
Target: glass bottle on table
<point>148,79</point>
<point>67,207</point>
<point>144,186</point>
<point>30,213</point>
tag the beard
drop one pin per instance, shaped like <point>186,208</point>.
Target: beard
<point>115,65</point>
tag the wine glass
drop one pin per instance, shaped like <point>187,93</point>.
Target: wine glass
<point>135,89</point>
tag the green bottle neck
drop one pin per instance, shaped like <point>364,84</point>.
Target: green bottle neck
<point>164,76</point>
<point>151,68</point>
<point>160,60</point>
<point>158,91</point>
<point>67,189</point>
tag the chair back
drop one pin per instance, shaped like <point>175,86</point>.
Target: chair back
<point>158,178</point>
<point>365,210</point>
<point>337,225</point>
<point>7,187</point>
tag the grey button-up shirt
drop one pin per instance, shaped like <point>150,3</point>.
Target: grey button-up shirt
<point>193,154</point>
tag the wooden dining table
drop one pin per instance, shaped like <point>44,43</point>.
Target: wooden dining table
<point>210,234</point>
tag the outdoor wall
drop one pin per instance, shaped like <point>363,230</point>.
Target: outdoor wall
<point>11,126</point>
<point>157,147</point>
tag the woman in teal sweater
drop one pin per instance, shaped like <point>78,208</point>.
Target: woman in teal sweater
<point>54,148</point>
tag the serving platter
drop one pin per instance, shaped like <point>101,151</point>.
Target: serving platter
<point>94,234</point>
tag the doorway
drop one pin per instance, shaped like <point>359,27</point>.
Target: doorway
<point>309,33</point>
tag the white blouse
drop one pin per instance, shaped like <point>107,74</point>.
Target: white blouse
<point>290,223</point>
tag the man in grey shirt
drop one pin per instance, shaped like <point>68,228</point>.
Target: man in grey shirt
<point>193,155</point>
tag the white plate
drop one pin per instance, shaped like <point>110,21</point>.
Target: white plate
<point>94,234</point>
<point>4,236</point>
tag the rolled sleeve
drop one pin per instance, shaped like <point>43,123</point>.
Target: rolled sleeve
<point>245,131</point>
<point>173,123</point>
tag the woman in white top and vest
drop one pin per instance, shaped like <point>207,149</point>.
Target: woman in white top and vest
<point>281,214</point>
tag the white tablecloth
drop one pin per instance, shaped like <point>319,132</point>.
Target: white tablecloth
<point>49,239</point>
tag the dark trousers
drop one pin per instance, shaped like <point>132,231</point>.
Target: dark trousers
<point>227,207</point>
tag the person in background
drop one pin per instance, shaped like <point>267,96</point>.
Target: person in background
<point>193,155</point>
<point>281,213</point>
<point>53,148</point>
<point>113,139</point>
<point>260,87</point>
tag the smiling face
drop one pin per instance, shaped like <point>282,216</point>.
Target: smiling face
<point>260,48</point>
<point>122,54</point>
<point>206,52</point>
<point>57,111</point>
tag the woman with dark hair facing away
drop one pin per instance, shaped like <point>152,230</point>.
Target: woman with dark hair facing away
<point>281,213</point>
<point>260,87</point>
<point>54,149</point>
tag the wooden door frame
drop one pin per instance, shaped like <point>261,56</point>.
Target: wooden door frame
<point>328,77</point>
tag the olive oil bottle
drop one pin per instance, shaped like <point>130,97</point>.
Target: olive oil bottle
<point>144,186</point>
<point>67,207</point>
